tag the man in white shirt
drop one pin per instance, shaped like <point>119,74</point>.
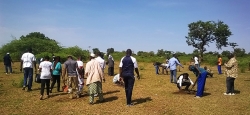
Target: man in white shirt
<point>196,61</point>
<point>28,60</point>
<point>100,60</point>
<point>184,80</point>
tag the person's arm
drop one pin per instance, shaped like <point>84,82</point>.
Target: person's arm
<point>21,65</point>
<point>64,71</point>
<point>180,80</point>
<point>179,63</point>
<point>120,68</point>
<point>192,83</point>
<point>34,62</point>
<point>40,67</point>
<point>230,63</point>
<point>136,69</point>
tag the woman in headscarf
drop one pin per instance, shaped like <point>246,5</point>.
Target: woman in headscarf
<point>56,74</point>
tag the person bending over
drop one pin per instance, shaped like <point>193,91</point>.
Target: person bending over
<point>184,80</point>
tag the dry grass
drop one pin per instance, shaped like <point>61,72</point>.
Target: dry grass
<point>153,94</point>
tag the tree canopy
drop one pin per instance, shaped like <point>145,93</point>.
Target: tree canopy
<point>201,34</point>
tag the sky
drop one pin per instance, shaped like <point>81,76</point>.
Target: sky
<point>141,25</point>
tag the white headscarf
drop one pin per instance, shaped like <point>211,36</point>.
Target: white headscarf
<point>111,57</point>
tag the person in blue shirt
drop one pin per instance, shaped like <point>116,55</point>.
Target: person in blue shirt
<point>56,73</point>
<point>172,64</point>
<point>201,75</point>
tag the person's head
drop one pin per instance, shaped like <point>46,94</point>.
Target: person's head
<point>185,75</point>
<point>29,50</point>
<point>80,58</point>
<point>205,67</point>
<point>58,59</point>
<point>46,58</point>
<point>128,52</point>
<point>98,53</point>
<point>231,55</point>
<point>92,56</point>
<point>174,55</point>
<point>8,53</point>
<point>70,57</point>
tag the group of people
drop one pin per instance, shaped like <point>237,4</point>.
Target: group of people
<point>72,72</point>
<point>231,72</point>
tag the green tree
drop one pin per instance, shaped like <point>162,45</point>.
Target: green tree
<point>35,40</point>
<point>110,51</point>
<point>225,53</point>
<point>239,52</point>
<point>95,50</point>
<point>201,34</point>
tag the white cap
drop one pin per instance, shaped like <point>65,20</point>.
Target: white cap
<point>92,55</point>
<point>8,53</point>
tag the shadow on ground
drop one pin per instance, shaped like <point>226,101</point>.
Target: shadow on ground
<point>141,100</point>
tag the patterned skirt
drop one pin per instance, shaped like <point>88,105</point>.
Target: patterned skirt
<point>95,88</point>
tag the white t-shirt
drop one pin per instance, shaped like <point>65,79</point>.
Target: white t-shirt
<point>196,60</point>
<point>133,60</point>
<point>101,61</point>
<point>28,59</point>
<point>116,78</point>
<point>46,67</point>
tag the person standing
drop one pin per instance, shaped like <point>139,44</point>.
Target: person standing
<point>201,75</point>
<point>126,70</point>
<point>56,74</point>
<point>7,63</point>
<point>100,60</point>
<point>28,60</point>
<point>111,65</point>
<point>80,75</point>
<point>72,82</point>
<point>95,77</point>
<point>196,61</point>
<point>231,73</point>
<point>173,62</point>
<point>219,64</point>
<point>45,68</point>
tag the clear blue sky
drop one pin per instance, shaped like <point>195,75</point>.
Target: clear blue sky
<point>142,25</point>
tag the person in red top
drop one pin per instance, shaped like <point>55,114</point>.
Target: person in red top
<point>219,64</point>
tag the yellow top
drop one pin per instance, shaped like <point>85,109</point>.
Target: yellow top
<point>219,61</point>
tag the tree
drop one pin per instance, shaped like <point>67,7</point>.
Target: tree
<point>110,50</point>
<point>201,34</point>
<point>95,50</point>
<point>225,53</point>
<point>239,52</point>
<point>35,40</point>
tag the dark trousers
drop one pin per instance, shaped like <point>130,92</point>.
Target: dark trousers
<point>187,84</point>
<point>28,74</point>
<point>230,84</point>
<point>111,71</point>
<point>129,84</point>
<point>8,67</point>
<point>56,79</point>
<point>219,69</point>
<point>43,83</point>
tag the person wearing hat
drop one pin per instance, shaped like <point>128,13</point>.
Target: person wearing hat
<point>201,75</point>
<point>95,77</point>
<point>7,63</point>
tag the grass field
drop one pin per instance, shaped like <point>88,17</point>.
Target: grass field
<point>152,94</point>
